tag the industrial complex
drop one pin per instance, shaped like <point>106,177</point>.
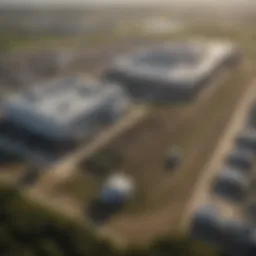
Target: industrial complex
<point>171,72</point>
<point>158,151</point>
<point>55,116</point>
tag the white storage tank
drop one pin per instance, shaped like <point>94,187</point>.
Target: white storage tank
<point>117,189</point>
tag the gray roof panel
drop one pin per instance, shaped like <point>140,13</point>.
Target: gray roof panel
<point>58,104</point>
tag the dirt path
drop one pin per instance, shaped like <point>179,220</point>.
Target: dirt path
<point>225,145</point>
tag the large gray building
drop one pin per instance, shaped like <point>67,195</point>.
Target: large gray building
<point>58,114</point>
<point>171,72</point>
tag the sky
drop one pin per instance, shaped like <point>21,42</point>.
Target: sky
<point>131,2</point>
<point>61,2</point>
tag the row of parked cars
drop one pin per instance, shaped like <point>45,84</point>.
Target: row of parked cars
<point>233,184</point>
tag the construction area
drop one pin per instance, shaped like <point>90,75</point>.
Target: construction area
<point>158,198</point>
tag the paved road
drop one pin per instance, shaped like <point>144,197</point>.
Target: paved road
<point>236,123</point>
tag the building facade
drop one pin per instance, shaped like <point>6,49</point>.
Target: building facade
<point>171,72</point>
<point>59,113</point>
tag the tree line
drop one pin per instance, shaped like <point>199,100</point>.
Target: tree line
<point>29,230</point>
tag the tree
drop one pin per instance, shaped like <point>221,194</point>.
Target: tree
<point>29,230</point>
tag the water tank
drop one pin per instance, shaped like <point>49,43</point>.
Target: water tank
<point>117,189</point>
<point>206,223</point>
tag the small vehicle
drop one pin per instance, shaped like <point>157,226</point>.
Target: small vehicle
<point>173,158</point>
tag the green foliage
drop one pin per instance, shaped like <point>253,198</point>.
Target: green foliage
<point>27,229</point>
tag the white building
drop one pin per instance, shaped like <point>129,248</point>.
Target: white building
<point>171,72</point>
<point>60,111</point>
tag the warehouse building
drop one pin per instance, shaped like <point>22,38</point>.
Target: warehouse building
<point>56,115</point>
<point>171,72</point>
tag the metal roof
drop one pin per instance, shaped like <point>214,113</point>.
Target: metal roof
<point>176,62</point>
<point>167,57</point>
<point>58,102</point>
